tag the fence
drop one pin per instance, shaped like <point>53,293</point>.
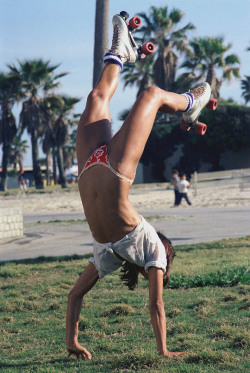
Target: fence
<point>240,178</point>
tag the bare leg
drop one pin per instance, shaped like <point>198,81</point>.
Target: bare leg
<point>97,107</point>
<point>127,146</point>
<point>94,127</point>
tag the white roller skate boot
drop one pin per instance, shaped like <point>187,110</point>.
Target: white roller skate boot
<point>197,98</point>
<point>122,45</point>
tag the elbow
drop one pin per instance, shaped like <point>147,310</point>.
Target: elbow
<point>70,296</point>
<point>74,296</point>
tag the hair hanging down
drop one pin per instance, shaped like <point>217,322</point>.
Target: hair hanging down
<point>129,275</point>
<point>130,272</point>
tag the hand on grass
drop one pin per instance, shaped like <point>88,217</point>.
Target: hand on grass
<point>79,351</point>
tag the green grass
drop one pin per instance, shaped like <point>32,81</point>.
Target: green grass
<point>206,306</point>
<point>48,189</point>
<point>60,221</point>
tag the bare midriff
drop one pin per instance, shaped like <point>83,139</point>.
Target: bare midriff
<point>106,205</point>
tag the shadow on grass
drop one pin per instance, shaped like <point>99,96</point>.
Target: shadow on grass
<point>127,361</point>
<point>48,259</point>
<point>37,364</point>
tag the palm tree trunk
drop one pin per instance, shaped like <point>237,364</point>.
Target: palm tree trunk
<point>214,82</point>
<point>36,168</point>
<point>47,167</point>
<point>62,177</point>
<point>54,165</point>
<point>101,36</point>
<point>5,160</point>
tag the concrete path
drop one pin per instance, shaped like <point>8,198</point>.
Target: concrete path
<point>185,225</point>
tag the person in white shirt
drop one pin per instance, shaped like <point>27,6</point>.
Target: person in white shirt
<point>183,186</point>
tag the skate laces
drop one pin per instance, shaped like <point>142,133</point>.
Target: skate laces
<point>116,39</point>
<point>191,95</point>
<point>197,92</point>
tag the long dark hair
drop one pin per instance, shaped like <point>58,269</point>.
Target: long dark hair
<point>130,271</point>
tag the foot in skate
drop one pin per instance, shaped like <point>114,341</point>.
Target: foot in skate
<point>200,98</point>
<point>123,43</point>
<point>197,99</point>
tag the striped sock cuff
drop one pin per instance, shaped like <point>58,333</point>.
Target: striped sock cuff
<point>113,58</point>
<point>190,101</point>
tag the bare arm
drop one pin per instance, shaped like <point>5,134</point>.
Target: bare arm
<point>85,282</point>
<point>157,313</point>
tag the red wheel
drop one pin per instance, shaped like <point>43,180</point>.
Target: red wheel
<point>184,125</point>
<point>148,48</point>
<point>134,23</point>
<point>212,105</point>
<point>200,128</point>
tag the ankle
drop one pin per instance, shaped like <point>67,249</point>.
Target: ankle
<point>190,100</point>
<point>113,58</point>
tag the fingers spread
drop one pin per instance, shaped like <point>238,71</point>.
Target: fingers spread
<point>81,354</point>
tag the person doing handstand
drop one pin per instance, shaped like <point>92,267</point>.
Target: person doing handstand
<point>107,167</point>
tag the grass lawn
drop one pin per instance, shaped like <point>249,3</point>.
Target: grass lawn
<point>206,306</point>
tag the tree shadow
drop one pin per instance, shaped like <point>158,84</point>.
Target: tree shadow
<point>48,259</point>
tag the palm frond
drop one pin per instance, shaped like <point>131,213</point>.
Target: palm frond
<point>232,59</point>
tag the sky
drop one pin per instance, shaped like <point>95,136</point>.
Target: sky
<point>62,31</point>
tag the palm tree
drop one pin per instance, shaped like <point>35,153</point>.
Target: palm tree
<point>18,148</point>
<point>161,27</point>
<point>69,150</point>
<point>245,86</point>
<point>48,147</point>
<point>139,74</point>
<point>37,76</point>
<point>56,134</point>
<point>207,57</point>
<point>101,36</point>
<point>9,93</point>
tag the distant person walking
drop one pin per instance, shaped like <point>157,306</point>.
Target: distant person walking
<point>183,186</point>
<point>174,181</point>
<point>21,180</point>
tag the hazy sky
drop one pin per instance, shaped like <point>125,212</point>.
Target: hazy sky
<point>62,31</point>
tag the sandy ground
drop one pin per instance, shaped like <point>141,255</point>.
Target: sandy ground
<point>218,212</point>
<point>148,197</point>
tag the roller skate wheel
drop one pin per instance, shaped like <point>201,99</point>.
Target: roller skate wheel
<point>124,15</point>
<point>134,23</point>
<point>200,128</point>
<point>212,105</point>
<point>148,48</point>
<point>184,125</point>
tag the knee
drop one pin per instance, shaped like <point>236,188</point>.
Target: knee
<point>95,96</point>
<point>151,93</point>
<point>165,101</point>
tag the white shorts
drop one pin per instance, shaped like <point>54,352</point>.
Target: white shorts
<point>142,247</point>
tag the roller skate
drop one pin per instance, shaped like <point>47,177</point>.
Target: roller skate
<point>197,98</point>
<point>123,43</point>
